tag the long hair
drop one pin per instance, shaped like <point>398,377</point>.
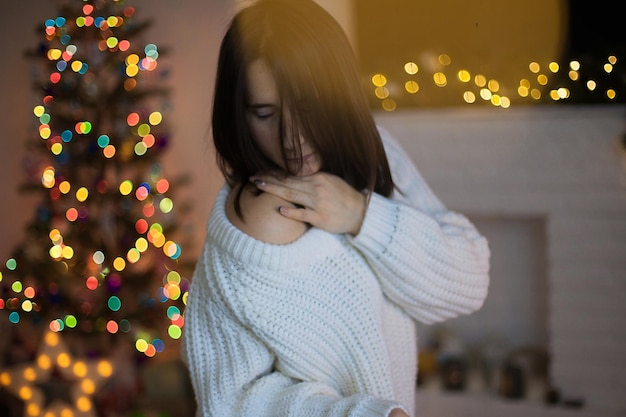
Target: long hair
<point>315,70</point>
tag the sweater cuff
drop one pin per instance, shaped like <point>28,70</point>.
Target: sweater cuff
<point>378,408</point>
<point>379,224</point>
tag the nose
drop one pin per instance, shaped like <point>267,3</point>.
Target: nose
<point>292,144</point>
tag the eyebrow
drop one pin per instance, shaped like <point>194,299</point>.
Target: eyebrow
<point>260,105</point>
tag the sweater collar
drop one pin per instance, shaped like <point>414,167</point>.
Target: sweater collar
<point>312,245</point>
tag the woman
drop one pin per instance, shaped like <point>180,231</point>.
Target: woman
<point>319,258</point>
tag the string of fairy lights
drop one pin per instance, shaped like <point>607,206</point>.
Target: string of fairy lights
<point>102,272</point>
<point>477,87</point>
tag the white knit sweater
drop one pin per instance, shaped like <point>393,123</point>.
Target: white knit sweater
<point>324,326</point>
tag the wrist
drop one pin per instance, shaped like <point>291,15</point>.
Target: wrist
<point>360,214</point>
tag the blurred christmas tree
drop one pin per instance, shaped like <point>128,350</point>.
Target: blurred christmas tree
<point>99,265</point>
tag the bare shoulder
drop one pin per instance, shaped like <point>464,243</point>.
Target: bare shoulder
<point>261,219</point>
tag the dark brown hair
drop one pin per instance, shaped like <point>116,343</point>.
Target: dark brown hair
<point>315,70</point>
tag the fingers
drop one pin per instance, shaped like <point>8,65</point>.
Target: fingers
<point>324,201</point>
<point>298,214</point>
<point>297,191</point>
<point>289,182</point>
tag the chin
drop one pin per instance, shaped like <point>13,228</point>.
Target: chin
<point>306,172</point>
<point>310,165</point>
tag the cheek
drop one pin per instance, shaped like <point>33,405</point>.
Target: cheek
<point>266,138</point>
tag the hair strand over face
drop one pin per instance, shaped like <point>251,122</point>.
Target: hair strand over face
<point>320,88</point>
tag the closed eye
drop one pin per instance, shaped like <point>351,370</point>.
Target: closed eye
<point>264,115</point>
<point>262,111</point>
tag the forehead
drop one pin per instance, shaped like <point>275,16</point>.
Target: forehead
<point>262,88</point>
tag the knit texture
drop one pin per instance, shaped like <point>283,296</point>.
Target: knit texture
<point>325,326</point>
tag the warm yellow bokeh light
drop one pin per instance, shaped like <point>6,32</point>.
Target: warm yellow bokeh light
<point>63,360</point>
<point>411,87</point>
<point>43,361</point>
<point>440,79</point>
<point>56,252</point>
<point>27,305</point>
<point>133,255</point>
<point>411,68</point>
<point>30,374</point>
<point>534,67</point>
<point>32,409</point>
<point>67,252</point>
<point>542,79</point>
<point>82,193</point>
<point>126,187</point>
<point>381,92</point>
<point>65,187</point>
<point>5,379</point>
<point>76,66</point>
<point>480,80</point>
<point>469,97</point>
<point>88,386</point>
<point>80,369</point>
<point>389,104</point>
<point>132,70</point>
<point>554,95</point>
<point>379,80</point>
<point>554,67</point>
<point>105,369</point>
<point>55,236</point>
<point>54,54</point>
<point>141,244</point>
<point>25,393</point>
<point>47,178</point>
<point>155,118</point>
<point>67,412</point>
<point>522,91</point>
<point>535,93</point>
<point>119,264</point>
<point>132,59</point>
<point>485,94</point>
<point>464,76</point>
<point>51,339</point>
<point>141,345</point>
<point>56,149</point>
<point>83,404</point>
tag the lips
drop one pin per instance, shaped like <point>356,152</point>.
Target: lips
<point>303,157</point>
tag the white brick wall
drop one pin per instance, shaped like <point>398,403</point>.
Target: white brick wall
<point>566,164</point>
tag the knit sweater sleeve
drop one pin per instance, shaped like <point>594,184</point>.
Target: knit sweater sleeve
<point>430,261</point>
<point>233,372</point>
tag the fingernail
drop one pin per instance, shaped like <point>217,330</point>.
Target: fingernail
<point>282,209</point>
<point>258,182</point>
